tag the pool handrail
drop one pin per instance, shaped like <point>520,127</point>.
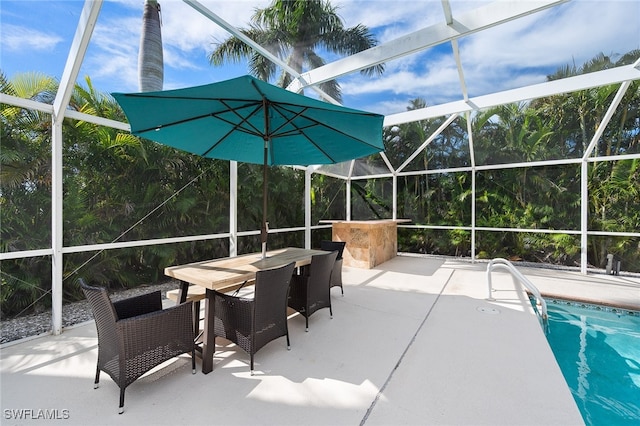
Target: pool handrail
<point>500,263</point>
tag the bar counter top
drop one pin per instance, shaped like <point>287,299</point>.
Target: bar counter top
<point>368,242</point>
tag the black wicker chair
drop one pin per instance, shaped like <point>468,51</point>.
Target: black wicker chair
<point>310,291</point>
<point>252,322</point>
<point>136,334</point>
<point>336,275</point>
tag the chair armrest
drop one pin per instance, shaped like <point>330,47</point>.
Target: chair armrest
<point>138,305</point>
<point>230,299</point>
<point>172,326</point>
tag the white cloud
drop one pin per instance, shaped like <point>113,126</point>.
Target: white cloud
<point>390,106</point>
<point>505,56</point>
<point>187,29</point>
<point>394,18</point>
<point>16,38</point>
<point>113,52</point>
<point>187,38</point>
<point>581,30</point>
<point>429,75</point>
<point>511,55</point>
<point>390,18</point>
<point>524,51</point>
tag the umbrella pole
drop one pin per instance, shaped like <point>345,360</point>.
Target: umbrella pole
<point>265,224</point>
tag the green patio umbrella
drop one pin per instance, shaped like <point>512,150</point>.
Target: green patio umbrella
<point>248,120</point>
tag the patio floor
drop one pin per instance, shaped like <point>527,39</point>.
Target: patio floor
<point>413,341</point>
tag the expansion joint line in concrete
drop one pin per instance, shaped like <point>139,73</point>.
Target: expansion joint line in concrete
<point>413,339</point>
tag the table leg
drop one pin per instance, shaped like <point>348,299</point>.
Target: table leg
<point>183,291</point>
<point>209,338</point>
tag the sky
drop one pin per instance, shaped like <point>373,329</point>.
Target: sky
<point>35,36</point>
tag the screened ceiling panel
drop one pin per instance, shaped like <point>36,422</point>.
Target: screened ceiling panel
<point>339,169</point>
<point>436,145</point>
<point>370,166</point>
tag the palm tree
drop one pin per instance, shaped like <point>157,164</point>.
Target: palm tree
<point>25,156</point>
<point>150,60</point>
<point>25,190</point>
<point>294,30</point>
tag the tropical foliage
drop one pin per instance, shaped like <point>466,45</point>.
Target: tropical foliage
<point>121,188</point>
<point>112,180</point>
<point>296,31</point>
<point>524,197</point>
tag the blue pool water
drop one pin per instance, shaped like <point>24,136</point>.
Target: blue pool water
<point>598,350</point>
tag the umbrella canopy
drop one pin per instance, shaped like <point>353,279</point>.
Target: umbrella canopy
<point>248,120</point>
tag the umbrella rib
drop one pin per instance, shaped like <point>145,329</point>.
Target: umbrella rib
<point>187,98</point>
<point>333,160</point>
<point>318,123</point>
<point>325,153</point>
<point>278,105</point>
<point>210,114</point>
<point>236,126</point>
<point>217,118</point>
<point>257,106</point>
<point>173,123</point>
<point>289,120</point>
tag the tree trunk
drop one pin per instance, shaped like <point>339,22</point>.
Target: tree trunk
<point>150,60</point>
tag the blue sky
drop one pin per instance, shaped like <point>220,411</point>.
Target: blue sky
<point>36,36</point>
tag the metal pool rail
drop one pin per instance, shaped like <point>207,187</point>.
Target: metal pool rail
<point>499,263</point>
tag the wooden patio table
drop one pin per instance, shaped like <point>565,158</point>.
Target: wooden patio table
<point>226,274</point>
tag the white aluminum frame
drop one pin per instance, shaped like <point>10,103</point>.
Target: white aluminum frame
<point>448,31</point>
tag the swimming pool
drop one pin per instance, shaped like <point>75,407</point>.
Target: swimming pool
<point>598,350</point>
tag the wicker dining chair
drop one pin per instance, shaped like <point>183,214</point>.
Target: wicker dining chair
<point>252,322</point>
<point>336,274</point>
<point>136,334</point>
<point>310,291</point>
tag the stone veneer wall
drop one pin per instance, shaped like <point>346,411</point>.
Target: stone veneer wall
<point>369,243</point>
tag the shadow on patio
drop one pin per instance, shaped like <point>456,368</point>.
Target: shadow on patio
<point>412,341</point>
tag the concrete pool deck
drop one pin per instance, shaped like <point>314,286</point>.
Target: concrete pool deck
<point>413,341</point>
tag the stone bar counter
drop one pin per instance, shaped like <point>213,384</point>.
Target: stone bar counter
<point>369,242</point>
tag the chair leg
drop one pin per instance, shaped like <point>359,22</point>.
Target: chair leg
<point>306,318</point>
<point>193,360</point>
<point>196,318</point>
<point>288,343</point>
<point>121,408</point>
<point>252,364</point>
<point>95,383</point>
<point>330,312</point>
